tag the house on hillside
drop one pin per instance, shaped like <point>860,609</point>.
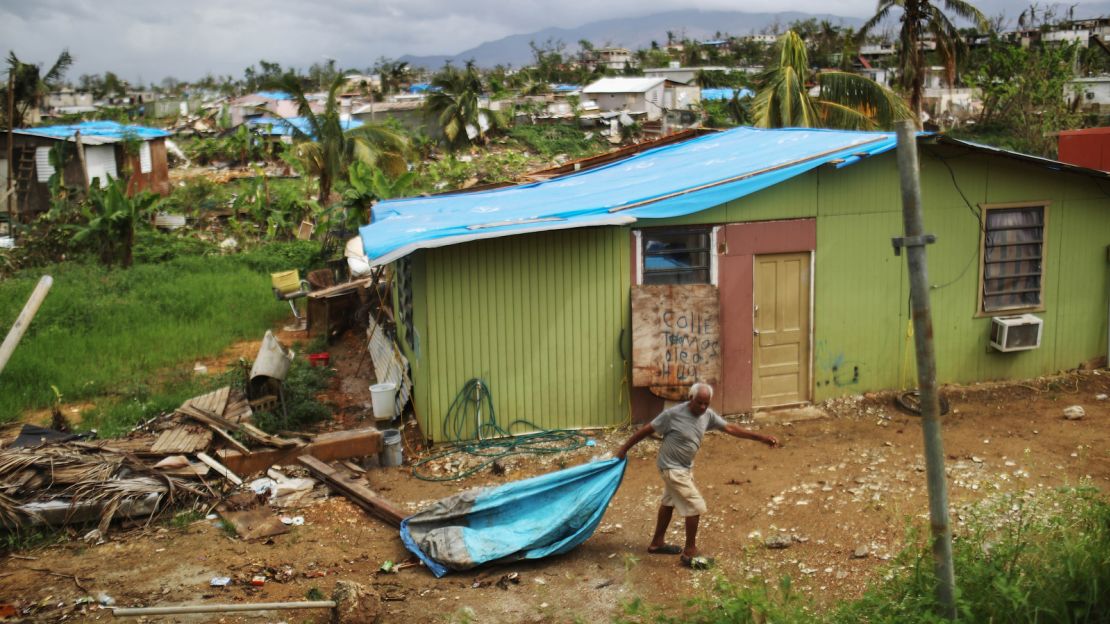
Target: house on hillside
<point>1090,95</point>
<point>650,98</point>
<point>687,75</point>
<point>757,260</point>
<point>107,148</point>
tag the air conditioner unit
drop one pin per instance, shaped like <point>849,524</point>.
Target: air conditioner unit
<point>1016,333</point>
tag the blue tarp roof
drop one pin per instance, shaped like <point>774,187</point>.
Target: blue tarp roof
<point>422,87</point>
<point>278,127</point>
<point>565,88</point>
<point>725,93</point>
<point>274,95</point>
<point>105,131</point>
<point>668,181</point>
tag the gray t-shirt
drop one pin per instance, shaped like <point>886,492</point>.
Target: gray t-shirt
<point>682,434</point>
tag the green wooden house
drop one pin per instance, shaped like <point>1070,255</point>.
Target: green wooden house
<point>770,250</point>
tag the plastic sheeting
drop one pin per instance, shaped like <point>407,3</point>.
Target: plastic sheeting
<point>529,519</point>
<point>669,181</point>
<point>93,132</point>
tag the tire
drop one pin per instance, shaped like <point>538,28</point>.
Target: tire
<point>910,402</point>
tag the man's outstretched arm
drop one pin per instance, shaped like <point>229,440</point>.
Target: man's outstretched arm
<point>737,431</point>
<point>640,434</point>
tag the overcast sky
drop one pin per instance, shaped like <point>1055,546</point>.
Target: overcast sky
<point>151,39</point>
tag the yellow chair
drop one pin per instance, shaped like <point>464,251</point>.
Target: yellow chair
<point>288,286</point>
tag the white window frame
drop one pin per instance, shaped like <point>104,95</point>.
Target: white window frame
<point>713,230</point>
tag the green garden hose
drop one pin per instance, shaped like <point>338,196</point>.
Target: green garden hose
<point>471,428</point>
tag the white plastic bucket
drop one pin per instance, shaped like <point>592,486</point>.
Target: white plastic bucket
<point>391,454</point>
<point>383,396</point>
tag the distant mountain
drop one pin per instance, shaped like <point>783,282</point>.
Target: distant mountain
<point>628,32</point>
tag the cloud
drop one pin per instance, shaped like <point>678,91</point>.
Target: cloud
<point>154,39</point>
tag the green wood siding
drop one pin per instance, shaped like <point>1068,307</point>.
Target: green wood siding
<point>538,318</point>
<point>861,290</point>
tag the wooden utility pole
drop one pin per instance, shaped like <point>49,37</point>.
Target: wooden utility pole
<point>24,319</point>
<point>914,242</point>
<point>10,185</point>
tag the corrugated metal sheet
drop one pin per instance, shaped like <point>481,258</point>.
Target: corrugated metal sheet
<point>95,132</point>
<point>538,317</point>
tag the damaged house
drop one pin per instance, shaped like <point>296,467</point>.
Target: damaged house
<point>757,260</point>
<point>109,148</point>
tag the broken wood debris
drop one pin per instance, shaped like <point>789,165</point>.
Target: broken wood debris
<point>330,446</point>
<point>354,490</point>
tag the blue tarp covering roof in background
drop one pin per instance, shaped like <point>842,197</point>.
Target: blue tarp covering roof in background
<point>565,88</point>
<point>96,132</point>
<point>278,127</point>
<point>669,181</point>
<point>274,95</point>
<point>725,93</point>
<point>422,87</point>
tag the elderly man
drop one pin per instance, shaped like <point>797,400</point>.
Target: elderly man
<point>682,428</point>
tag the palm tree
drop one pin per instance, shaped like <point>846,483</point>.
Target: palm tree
<point>921,18</point>
<point>327,149</point>
<point>845,100</point>
<point>30,85</point>
<point>453,100</point>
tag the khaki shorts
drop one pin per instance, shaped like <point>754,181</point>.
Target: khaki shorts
<point>680,492</point>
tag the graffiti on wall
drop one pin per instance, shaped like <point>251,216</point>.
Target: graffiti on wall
<point>675,335</point>
<point>834,368</point>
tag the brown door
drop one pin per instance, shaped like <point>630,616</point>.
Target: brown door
<point>780,366</point>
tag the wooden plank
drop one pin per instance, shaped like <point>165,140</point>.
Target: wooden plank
<point>675,335</point>
<point>340,289</point>
<point>214,402</point>
<point>192,412</point>
<point>332,446</point>
<point>252,432</point>
<point>354,490</point>
<point>182,439</point>
<point>238,409</point>
<point>220,469</point>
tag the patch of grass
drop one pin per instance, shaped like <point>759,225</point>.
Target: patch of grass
<point>112,333</point>
<point>300,388</point>
<point>228,529</point>
<point>553,139</point>
<point>1030,557</point>
<point>183,519</point>
<point>29,538</point>
<point>314,593</point>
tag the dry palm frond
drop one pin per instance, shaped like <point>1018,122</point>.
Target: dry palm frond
<point>121,493</point>
<point>10,516</point>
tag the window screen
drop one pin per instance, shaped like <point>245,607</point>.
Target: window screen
<point>1013,252</point>
<point>676,256</point>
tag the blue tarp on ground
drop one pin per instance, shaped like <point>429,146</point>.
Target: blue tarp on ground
<point>530,519</point>
<point>110,130</point>
<point>669,181</point>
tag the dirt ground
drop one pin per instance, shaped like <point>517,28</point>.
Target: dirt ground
<point>841,490</point>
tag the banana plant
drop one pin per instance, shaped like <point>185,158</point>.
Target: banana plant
<point>111,217</point>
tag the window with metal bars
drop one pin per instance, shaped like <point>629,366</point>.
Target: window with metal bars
<point>1013,258</point>
<point>403,293</point>
<point>676,256</point>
